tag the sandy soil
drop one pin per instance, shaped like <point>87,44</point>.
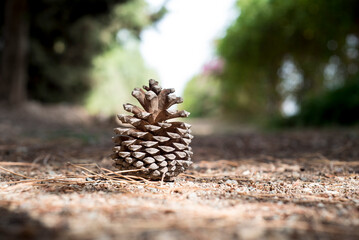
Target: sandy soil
<point>57,182</point>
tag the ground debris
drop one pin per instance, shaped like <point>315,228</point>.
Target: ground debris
<point>218,201</point>
<point>286,185</point>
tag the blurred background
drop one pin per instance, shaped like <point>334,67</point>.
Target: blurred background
<point>265,62</point>
<point>273,91</point>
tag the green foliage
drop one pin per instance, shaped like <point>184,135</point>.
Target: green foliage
<point>266,33</point>
<point>66,36</point>
<point>60,71</point>
<point>116,73</point>
<point>201,96</point>
<point>333,107</point>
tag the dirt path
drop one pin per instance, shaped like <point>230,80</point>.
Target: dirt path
<point>244,185</point>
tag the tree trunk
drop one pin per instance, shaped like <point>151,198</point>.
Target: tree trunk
<point>14,63</point>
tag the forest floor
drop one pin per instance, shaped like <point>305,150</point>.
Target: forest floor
<point>57,182</point>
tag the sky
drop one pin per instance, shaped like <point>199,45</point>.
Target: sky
<point>178,46</point>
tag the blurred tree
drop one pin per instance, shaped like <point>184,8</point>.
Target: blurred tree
<point>64,38</point>
<point>201,96</point>
<point>269,33</point>
<point>13,68</point>
<point>333,107</point>
<point>115,74</point>
<point>201,93</point>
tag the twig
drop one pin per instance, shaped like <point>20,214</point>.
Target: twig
<point>16,164</point>
<point>14,173</point>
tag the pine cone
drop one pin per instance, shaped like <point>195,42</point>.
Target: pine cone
<point>157,148</point>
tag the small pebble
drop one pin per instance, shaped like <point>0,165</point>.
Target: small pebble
<point>154,190</point>
<point>231,182</point>
<point>295,175</point>
<point>192,196</point>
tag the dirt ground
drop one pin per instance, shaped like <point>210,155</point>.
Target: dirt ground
<point>57,182</point>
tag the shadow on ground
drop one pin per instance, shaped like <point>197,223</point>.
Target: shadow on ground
<point>19,225</point>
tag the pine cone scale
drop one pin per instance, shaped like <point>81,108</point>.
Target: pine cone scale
<point>157,148</point>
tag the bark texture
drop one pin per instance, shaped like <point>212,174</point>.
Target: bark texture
<point>14,63</point>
